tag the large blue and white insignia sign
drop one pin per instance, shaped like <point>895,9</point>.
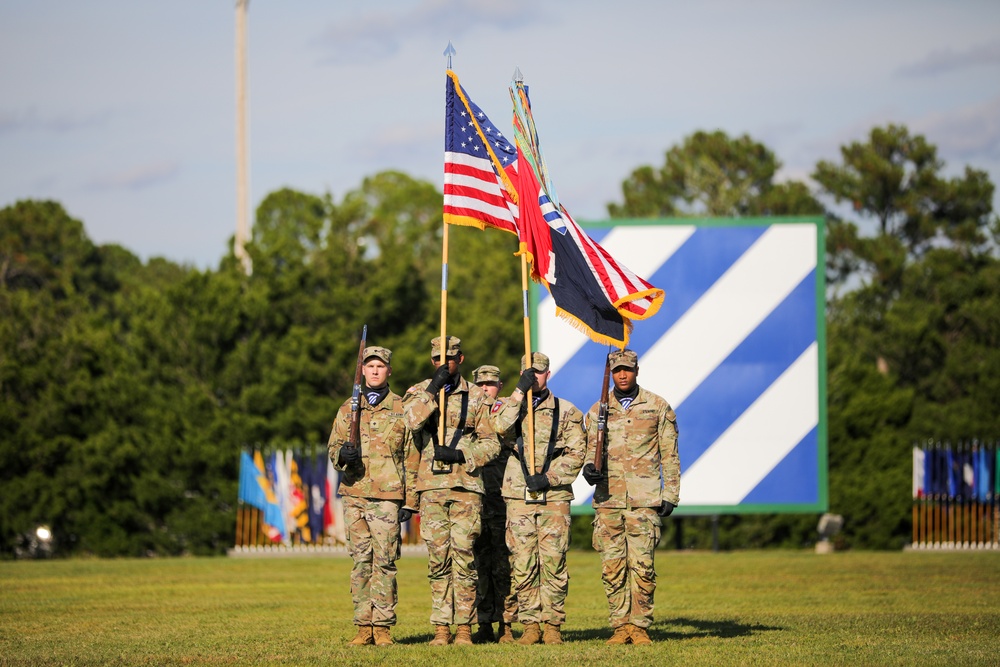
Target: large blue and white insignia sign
<point>738,350</point>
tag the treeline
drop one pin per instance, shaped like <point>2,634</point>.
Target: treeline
<point>127,389</point>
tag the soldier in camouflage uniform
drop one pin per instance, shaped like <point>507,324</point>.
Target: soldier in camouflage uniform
<point>496,601</point>
<point>450,484</point>
<point>378,484</point>
<point>538,501</point>
<point>639,483</point>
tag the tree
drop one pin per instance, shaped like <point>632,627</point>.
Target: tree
<point>895,179</point>
<point>712,175</point>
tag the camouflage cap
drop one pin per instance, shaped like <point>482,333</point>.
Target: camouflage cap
<point>383,353</point>
<point>486,373</point>
<point>626,358</point>
<point>539,362</point>
<point>454,347</point>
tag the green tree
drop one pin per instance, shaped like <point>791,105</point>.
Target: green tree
<point>713,175</point>
<point>895,180</point>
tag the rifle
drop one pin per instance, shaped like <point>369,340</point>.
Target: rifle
<point>602,419</point>
<point>355,436</point>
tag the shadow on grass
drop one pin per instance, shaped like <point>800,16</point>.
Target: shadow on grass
<point>424,638</point>
<point>679,628</point>
<point>691,628</point>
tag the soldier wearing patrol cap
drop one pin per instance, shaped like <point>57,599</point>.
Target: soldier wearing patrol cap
<point>638,484</point>
<point>495,602</point>
<point>538,500</point>
<point>378,484</point>
<point>450,484</point>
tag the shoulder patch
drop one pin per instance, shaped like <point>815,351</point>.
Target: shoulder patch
<point>497,406</point>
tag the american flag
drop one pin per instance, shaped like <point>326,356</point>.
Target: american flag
<point>475,192</point>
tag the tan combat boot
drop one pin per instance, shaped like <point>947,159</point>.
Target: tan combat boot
<point>621,636</point>
<point>638,635</point>
<point>442,636</point>
<point>506,635</point>
<point>463,635</point>
<point>532,634</point>
<point>551,634</point>
<point>363,638</point>
<point>382,636</point>
<point>484,635</point>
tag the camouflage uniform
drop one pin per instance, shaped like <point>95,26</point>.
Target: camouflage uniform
<point>538,534</point>
<point>643,469</point>
<point>496,601</point>
<point>373,493</point>
<point>450,503</point>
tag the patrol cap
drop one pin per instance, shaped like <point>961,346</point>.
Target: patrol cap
<point>383,353</point>
<point>453,350</point>
<point>539,362</point>
<point>486,373</point>
<point>626,358</point>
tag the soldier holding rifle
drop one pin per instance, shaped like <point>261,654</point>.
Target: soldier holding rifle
<point>537,487</point>
<point>634,466</point>
<point>449,418</point>
<point>374,451</point>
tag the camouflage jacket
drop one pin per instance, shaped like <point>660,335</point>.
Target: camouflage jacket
<point>642,464</point>
<point>567,457</point>
<point>478,442</point>
<point>389,458</point>
<point>492,472</point>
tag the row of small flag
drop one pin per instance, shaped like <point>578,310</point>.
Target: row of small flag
<point>965,471</point>
<point>291,498</point>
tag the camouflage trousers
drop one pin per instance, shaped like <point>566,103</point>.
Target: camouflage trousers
<point>373,542</point>
<point>538,538</point>
<point>450,522</point>
<point>626,540</point>
<point>495,599</point>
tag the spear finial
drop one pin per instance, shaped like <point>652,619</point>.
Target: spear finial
<point>449,52</point>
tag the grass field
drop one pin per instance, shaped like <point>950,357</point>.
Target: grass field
<point>742,608</point>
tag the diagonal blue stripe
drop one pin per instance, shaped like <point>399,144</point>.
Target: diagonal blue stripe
<point>690,272</point>
<point>747,372</point>
<point>793,480</point>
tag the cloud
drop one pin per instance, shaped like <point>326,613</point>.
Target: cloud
<point>380,35</point>
<point>23,120</point>
<point>966,133</point>
<point>948,60</point>
<point>137,178</point>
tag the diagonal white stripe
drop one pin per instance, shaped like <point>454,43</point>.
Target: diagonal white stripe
<point>728,312</point>
<point>756,442</point>
<point>644,249</point>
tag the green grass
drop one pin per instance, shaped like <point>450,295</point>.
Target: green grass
<point>742,608</point>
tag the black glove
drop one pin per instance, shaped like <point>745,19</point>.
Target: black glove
<point>591,475</point>
<point>666,508</point>
<point>439,379</point>
<point>537,483</point>
<point>526,381</point>
<point>404,514</point>
<point>349,454</point>
<point>448,455</point>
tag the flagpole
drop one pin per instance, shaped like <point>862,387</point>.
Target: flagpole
<point>448,53</point>
<point>528,363</point>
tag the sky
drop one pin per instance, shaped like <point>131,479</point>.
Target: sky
<point>124,111</point>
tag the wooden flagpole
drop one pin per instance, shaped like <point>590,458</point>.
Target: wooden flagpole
<point>444,322</point>
<point>530,412</point>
